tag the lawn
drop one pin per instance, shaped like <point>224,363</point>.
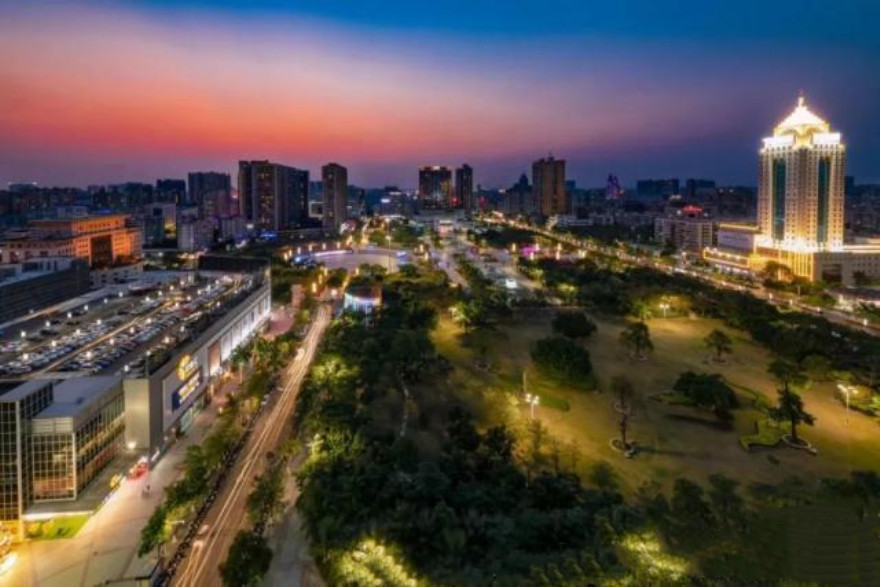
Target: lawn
<point>675,441</point>
<point>57,528</point>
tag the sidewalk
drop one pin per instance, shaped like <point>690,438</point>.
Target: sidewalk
<point>106,547</point>
<point>291,564</point>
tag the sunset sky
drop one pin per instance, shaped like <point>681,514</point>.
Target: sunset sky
<point>101,91</point>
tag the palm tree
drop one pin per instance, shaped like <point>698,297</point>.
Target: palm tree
<point>637,339</point>
<point>719,342</point>
<point>790,406</point>
<point>622,389</point>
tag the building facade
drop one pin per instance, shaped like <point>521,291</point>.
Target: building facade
<point>435,187</point>
<point>55,437</point>
<point>464,189</point>
<point>335,195</point>
<point>686,232</point>
<point>104,240</point>
<point>211,192</point>
<point>800,220</point>
<point>39,283</point>
<point>548,185</point>
<point>162,402</point>
<point>274,197</point>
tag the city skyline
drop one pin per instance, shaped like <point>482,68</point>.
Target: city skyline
<point>147,90</point>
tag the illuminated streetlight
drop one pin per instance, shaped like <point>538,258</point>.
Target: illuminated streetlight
<point>532,400</point>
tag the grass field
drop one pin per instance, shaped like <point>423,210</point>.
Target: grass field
<point>824,542</point>
<point>675,441</point>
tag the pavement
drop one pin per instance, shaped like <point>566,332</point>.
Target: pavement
<point>228,513</point>
<point>105,549</point>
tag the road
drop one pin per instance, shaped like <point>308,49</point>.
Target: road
<point>783,301</point>
<point>228,514</point>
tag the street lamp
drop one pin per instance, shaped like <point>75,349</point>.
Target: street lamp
<point>664,307</point>
<point>532,400</point>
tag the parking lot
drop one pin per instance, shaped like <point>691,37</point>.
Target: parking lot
<point>122,335</point>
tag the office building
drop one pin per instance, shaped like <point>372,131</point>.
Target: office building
<point>548,186</point>
<point>657,188</point>
<point>39,283</point>
<point>801,207</point>
<point>195,234</point>
<point>334,178</point>
<point>435,187</point>
<point>273,197</point>
<point>55,437</point>
<point>464,189</point>
<point>104,241</point>
<point>211,192</point>
<point>171,191</point>
<point>518,199</point>
<point>688,230</point>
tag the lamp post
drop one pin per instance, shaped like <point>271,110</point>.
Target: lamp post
<point>388,240</point>
<point>532,400</point>
<point>664,307</point>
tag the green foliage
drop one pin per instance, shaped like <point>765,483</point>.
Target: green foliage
<point>563,360</point>
<point>767,433</point>
<point>459,515</point>
<point>264,501</point>
<point>573,324</point>
<point>637,339</point>
<point>718,341</point>
<point>708,392</point>
<point>248,561</point>
<point>154,533</point>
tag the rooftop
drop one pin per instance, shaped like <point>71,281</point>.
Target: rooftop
<point>801,121</point>
<point>72,395</point>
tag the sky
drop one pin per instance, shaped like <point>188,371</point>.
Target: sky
<point>100,91</point>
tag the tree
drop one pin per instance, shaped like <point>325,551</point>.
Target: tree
<point>604,477</point>
<point>689,503</point>
<point>790,406</point>
<point>573,325</point>
<point>562,359</point>
<point>637,339</point>
<point>248,561</point>
<point>718,341</point>
<point>777,272</point>
<point>708,392</point>
<point>468,314</point>
<point>817,367</point>
<point>623,392</point>
<point>727,504</point>
<point>153,534</point>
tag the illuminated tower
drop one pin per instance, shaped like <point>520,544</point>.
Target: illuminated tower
<point>801,185</point>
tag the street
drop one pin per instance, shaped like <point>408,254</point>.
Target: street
<point>228,514</point>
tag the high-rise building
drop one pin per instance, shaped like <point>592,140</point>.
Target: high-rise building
<point>274,197</point>
<point>212,193</point>
<point>548,184</point>
<point>800,186</point>
<point>800,207</point>
<point>335,180</point>
<point>435,187</point>
<point>464,189</point>
<point>171,191</point>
